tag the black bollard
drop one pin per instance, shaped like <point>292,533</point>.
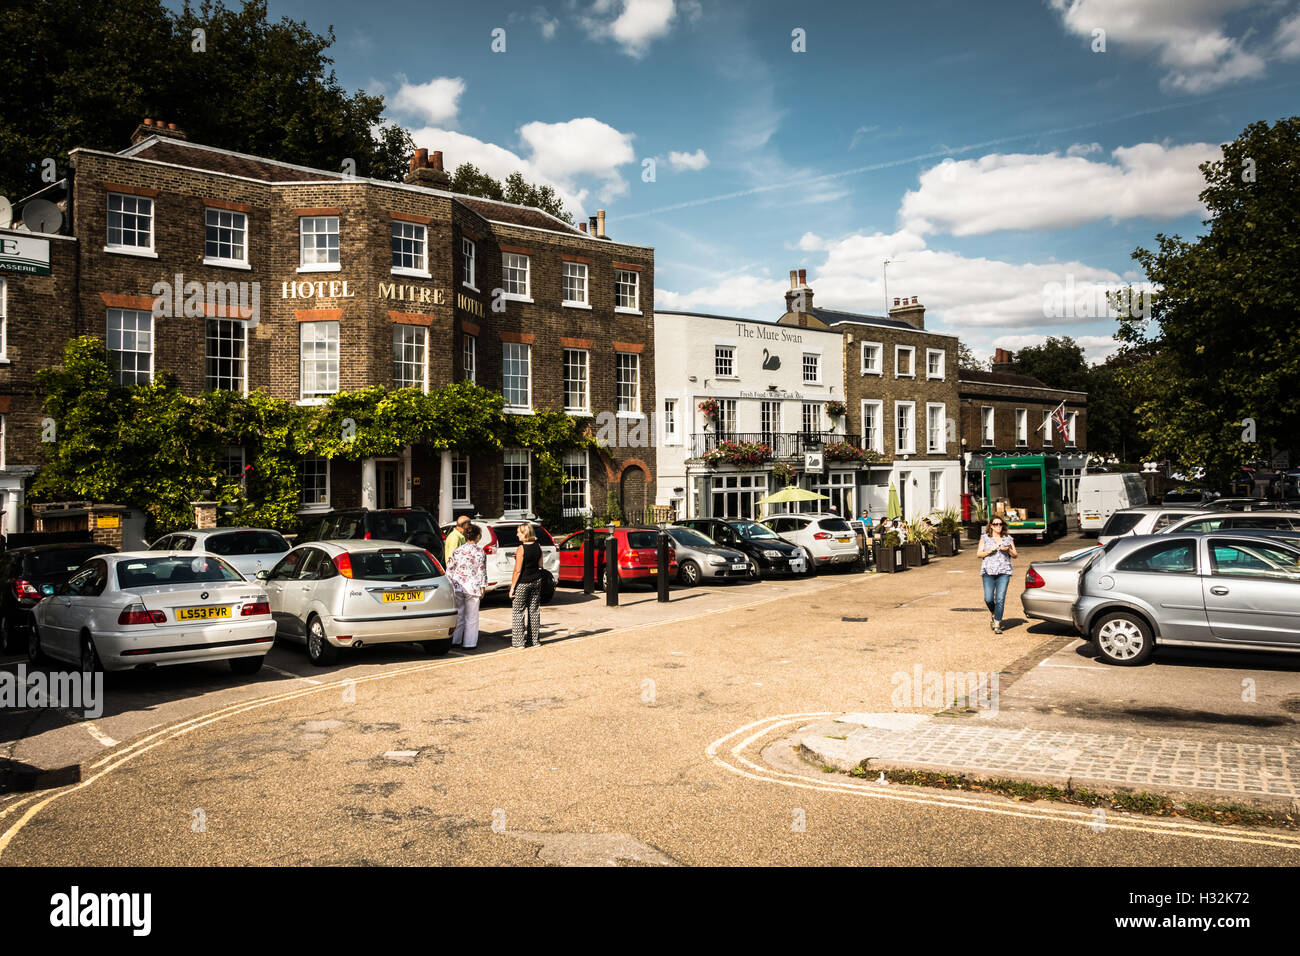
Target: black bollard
<point>663,567</point>
<point>611,571</point>
<point>589,561</point>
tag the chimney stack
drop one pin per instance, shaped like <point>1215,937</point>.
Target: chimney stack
<point>799,297</point>
<point>1003,360</point>
<point>908,310</point>
<point>600,224</point>
<point>591,226</point>
<point>582,226</point>
<point>152,127</point>
<point>425,173</point>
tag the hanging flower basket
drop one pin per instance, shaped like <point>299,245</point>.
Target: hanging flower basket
<point>843,451</point>
<point>745,454</point>
<point>783,473</point>
<point>709,409</point>
<point>836,409</point>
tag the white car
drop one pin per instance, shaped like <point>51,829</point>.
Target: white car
<point>249,550</point>
<point>139,609</point>
<point>354,593</point>
<point>1145,519</point>
<point>499,539</point>
<point>827,539</point>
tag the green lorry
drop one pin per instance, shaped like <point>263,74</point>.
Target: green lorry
<point>1026,491</point>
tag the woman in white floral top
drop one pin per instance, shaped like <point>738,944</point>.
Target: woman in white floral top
<point>997,549</point>
<point>467,570</point>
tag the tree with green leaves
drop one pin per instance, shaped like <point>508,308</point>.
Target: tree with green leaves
<point>85,72</point>
<point>966,360</point>
<point>1221,381</point>
<point>469,180</point>
<point>1057,363</point>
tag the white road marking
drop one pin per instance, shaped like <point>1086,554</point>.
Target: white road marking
<point>103,738</point>
<point>277,670</point>
<point>1047,662</point>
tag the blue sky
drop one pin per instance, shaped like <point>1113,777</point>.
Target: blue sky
<point>986,147</point>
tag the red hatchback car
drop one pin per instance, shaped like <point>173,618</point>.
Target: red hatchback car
<point>638,555</point>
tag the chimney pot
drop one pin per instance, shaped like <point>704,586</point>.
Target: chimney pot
<point>591,222</point>
<point>148,121</point>
<point>895,300</point>
<point>913,300</point>
<point>582,226</point>
<point>794,279</point>
<point>436,158</point>
<point>171,126</point>
<point>600,223</point>
<point>803,277</point>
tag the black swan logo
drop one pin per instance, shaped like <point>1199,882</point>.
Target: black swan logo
<point>770,362</point>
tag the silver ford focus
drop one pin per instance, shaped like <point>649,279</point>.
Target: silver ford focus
<point>140,609</point>
<point>334,595</point>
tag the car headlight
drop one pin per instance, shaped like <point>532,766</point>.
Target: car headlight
<point>772,554</point>
<point>717,561</point>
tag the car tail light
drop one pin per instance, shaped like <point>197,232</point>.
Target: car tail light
<point>821,535</point>
<point>368,536</point>
<point>1033,579</point>
<point>436,563</point>
<point>25,590</point>
<point>343,564</point>
<point>138,614</point>
<point>257,607</point>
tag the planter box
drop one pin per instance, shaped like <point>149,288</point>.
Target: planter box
<point>956,544</point>
<point>973,531</point>
<point>947,545</point>
<point>913,554</point>
<point>889,560</point>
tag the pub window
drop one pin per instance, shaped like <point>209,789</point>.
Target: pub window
<point>225,237</point>
<point>408,356</point>
<point>515,275</point>
<point>469,357</point>
<point>130,222</point>
<point>468,263</point>
<point>517,485</point>
<point>318,241</point>
<point>577,380</point>
<point>627,291</point>
<point>628,374</point>
<point>315,476</point>
<point>409,241</point>
<point>516,375</point>
<point>574,283</point>
<point>574,498</point>
<point>460,479</point>
<point>319,357</point>
<point>227,344</point>
<point>130,340</point>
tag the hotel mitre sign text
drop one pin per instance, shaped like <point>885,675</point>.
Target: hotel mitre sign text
<point>340,289</point>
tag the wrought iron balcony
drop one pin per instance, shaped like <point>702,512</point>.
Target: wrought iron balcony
<point>783,444</point>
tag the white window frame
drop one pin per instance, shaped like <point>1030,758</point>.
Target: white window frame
<point>518,455</point>
<point>818,418</point>
<point>318,396</point>
<point>327,265</point>
<point>723,353</point>
<point>911,355</point>
<point>770,416</point>
<point>671,428</point>
<point>314,506</point>
<point>579,273</point>
<point>879,367</point>
<point>469,263</point>
<point>227,457</point>
<point>936,493</point>
<point>1071,420</point>
<point>576,460</point>
<point>226,262</point>
<point>1048,426</point>
<point>1022,428</point>
<point>816,357</point>
<point>507,264</point>
<point>401,330</point>
<point>121,315</point>
<point>469,356</point>
<point>727,417</point>
<point>988,423</point>
<point>622,361</point>
<point>635,307</point>
<point>941,446</point>
<point>585,406</point>
<point>874,442</point>
<point>512,348</point>
<point>939,375</point>
<point>122,247</point>
<point>459,462</point>
<point>243,360</point>
<point>909,446</point>
<point>421,269</point>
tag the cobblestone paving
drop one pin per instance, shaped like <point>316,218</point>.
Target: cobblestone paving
<point>1156,762</point>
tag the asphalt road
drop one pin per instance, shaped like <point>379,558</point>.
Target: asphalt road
<point>624,738</point>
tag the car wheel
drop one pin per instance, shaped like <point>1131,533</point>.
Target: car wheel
<point>319,649</point>
<point>754,573</point>
<point>90,662</point>
<point>812,565</point>
<point>245,666</point>
<point>689,573</point>
<point>1123,638</point>
<point>437,648</point>
<point>600,581</point>
<point>34,652</point>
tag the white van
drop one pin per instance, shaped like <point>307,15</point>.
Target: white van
<point>1100,496</point>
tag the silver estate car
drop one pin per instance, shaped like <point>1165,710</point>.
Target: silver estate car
<point>826,539</point>
<point>700,557</point>
<point>249,550</point>
<point>1052,587</point>
<point>352,593</point>
<point>1231,590</point>
<point>139,609</point>
<point>1145,519</point>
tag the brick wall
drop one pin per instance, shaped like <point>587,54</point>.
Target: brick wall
<point>1004,401</point>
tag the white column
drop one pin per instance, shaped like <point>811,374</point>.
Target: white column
<point>444,490</point>
<point>369,485</point>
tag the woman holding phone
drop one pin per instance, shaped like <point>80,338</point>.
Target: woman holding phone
<point>997,549</point>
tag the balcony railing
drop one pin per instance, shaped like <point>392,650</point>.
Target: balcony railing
<point>783,444</point>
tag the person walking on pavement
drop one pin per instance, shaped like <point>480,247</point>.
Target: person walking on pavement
<point>456,538</point>
<point>467,569</point>
<point>997,549</point>
<point>526,591</point>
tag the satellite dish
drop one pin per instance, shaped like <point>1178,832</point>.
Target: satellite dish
<point>41,215</point>
<point>6,213</point>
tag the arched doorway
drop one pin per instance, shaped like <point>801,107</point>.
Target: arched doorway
<point>632,492</point>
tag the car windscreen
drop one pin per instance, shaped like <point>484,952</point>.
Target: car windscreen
<point>748,529</point>
<point>43,564</point>
<point>508,536</point>
<point>834,524</point>
<point>1122,522</point>
<point>643,539</point>
<point>246,542</point>
<point>173,569</point>
<point>691,539</point>
<point>393,564</point>
<point>402,524</point>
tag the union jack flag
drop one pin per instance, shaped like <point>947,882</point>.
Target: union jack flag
<point>1062,425</point>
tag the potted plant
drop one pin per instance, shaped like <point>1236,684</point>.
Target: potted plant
<point>836,410</point>
<point>709,409</point>
<point>923,533</point>
<point>783,474</point>
<point>843,451</point>
<point>889,554</point>
<point>744,454</point>
<point>949,541</point>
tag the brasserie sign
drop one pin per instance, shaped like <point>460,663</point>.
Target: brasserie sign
<point>28,254</point>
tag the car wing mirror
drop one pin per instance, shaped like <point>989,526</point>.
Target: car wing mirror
<point>262,575</point>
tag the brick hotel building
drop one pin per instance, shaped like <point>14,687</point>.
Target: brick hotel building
<point>361,283</point>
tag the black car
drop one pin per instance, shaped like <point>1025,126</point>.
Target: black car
<point>30,574</point>
<point>408,525</point>
<point>769,553</point>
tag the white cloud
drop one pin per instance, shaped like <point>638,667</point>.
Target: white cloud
<point>1051,191</point>
<point>436,102</point>
<point>736,295</point>
<point>632,24</point>
<point>1288,38</point>
<point>691,161</point>
<point>1083,149</point>
<point>1188,37</point>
